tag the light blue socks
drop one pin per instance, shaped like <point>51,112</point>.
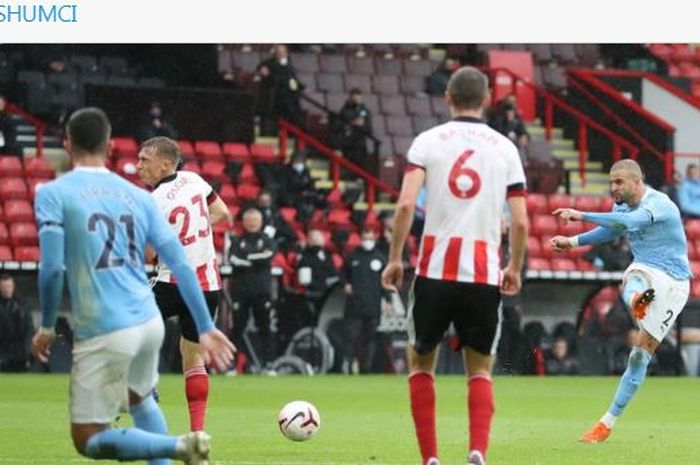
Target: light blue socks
<point>632,378</point>
<point>148,417</point>
<point>130,444</point>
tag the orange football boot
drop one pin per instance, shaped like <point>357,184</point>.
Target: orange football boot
<point>598,433</point>
<point>641,302</point>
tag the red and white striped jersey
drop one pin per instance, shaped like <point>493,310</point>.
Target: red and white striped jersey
<point>470,171</point>
<point>184,199</point>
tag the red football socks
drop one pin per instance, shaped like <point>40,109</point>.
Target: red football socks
<point>197,391</point>
<point>481,410</point>
<point>422,390</point>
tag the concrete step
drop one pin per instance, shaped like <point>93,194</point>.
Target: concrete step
<point>590,165</point>
<point>319,174</point>
<point>539,130</point>
<point>381,206</point>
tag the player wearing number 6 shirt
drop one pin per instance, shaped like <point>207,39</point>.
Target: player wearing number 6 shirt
<point>469,172</point>
<point>191,206</point>
<point>93,227</point>
<point>655,286</point>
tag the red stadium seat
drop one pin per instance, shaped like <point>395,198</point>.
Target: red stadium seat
<point>18,211</point>
<point>208,150</point>
<point>361,65</point>
<point>227,193</point>
<point>537,203</point>
<point>692,229</point>
<point>353,242</point>
<point>332,63</point>
<point>544,224</point>
<point>334,198</point>
<point>13,188</point>
<point>35,183</point>
<point>358,81</point>
<point>560,201</point>
<point>248,192</point>
<point>538,264</point>
<point>578,252</point>
<point>5,253</point>
<point>385,84</point>
<point>4,234</point>
<point>694,285</point>
<point>2,214</point>
<point>563,264</point>
<point>392,105</point>
<point>289,214</point>
<point>213,170</point>
<point>247,175</point>
<point>38,167</point>
<point>399,126</point>
<point>236,151</point>
<point>606,203</point>
<point>419,106</point>
<point>338,261</point>
<point>692,252</point>
<point>186,148</point>
<point>695,268</point>
<point>192,166</point>
<point>27,254</point>
<point>546,250</point>
<point>124,147</point>
<point>584,265</point>
<point>534,247</point>
<point>330,82</point>
<point>570,228</point>
<point>589,203</point>
<point>23,234</point>
<point>339,218</point>
<point>263,153</point>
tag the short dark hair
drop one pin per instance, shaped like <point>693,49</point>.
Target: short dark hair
<point>89,131</point>
<point>164,147</point>
<point>468,88</point>
<point>355,91</point>
<point>6,277</point>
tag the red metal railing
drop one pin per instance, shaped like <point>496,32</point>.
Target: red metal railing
<point>372,183</point>
<point>589,77</point>
<point>586,124</point>
<point>39,125</point>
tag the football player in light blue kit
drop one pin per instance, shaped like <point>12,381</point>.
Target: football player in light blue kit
<point>655,285</point>
<point>96,224</point>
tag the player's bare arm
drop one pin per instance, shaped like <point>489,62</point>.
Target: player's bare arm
<point>219,211</point>
<point>518,240</point>
<point>392,276</point>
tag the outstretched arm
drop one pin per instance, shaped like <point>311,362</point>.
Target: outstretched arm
<point>621,222</point>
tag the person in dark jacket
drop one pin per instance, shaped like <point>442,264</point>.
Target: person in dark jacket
<point>355,126</point>
<point>155,125</point>
<point>366,299</point>
<point>279,90</point>
<point>16,328</point>
<point>316,271</point>
<point>274,224</point>
<point>299,191</point>
<point>251,256</point>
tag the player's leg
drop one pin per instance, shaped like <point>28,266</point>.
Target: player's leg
<point>637,292</point>
<point>101,374</point>
<point>670,298</point>
<point>478,326</point>
<point>193,366</point>
<point>428,319</point>
<point>262,306</point>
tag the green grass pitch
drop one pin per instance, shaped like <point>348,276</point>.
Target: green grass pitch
<point>366,420</point>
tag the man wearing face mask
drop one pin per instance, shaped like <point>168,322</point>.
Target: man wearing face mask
<point>279,90</point>
<point>274,224</point>
<point>316,271</point>
<point>251,256</point>
<point>155,126</point>
<point>299,189</point>
<point>364,303</point>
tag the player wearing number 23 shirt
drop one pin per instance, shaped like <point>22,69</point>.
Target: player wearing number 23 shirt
<point>469,172</point>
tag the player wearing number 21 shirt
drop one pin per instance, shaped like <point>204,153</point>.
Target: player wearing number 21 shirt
<point>469,172</point>
<point>191,206</point>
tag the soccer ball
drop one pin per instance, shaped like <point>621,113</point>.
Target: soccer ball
<point>299,420</point>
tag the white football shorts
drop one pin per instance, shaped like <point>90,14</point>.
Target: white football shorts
<point>670,297</point>
<point>106,367</point>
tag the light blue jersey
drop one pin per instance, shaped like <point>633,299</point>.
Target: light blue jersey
<point>105,222</point>
<point>654,230</point>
